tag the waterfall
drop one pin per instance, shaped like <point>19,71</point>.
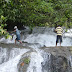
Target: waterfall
<point>43,36</point>
<point>70,60</point>
<point>46,64</point>
<point>3,55</point>
<point>47,40</point>
<point>35,64</point>
<point>40,61</point>
<point>10,59</point>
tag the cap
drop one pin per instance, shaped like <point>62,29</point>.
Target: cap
<point>15,27</point>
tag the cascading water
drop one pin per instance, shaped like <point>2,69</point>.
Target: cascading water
<point>35,64</point>
<point>9,40</point>
<point>40,61</point>
<point>10,59</point>
<point>70,60</point>
<point>46,64</point>
<point>47,40</point>
<point>3,55</point>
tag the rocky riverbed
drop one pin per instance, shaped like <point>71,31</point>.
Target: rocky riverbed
<point>54,59</point>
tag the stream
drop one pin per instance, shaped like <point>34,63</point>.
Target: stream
<point>40,37</point>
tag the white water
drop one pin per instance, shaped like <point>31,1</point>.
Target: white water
<point>69,33</point>
<point>3,54</point>
<point>11,64</point>
<point>9,40</point>
<point>70,60</point>
<point>43,39</point>
<point>36,57</point>
<point>35,63</point>
<point>47,40</point>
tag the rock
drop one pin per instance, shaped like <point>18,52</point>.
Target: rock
<point>60,64</point>
<point>55,59</point>
<point>22,65</point>
<point>24,62</point>
<point>59,59</point>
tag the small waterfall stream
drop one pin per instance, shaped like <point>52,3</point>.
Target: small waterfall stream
<point>10,58</point>
<point>40,60</point>
<point>35,64</point>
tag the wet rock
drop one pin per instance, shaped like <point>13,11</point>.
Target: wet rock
<point>32,45</point>
<point>24,62</point>
<point>46,64</point>
<point>55,63</point>
<point>60,64</point>
<point>22,65</point>
<point>55,59</point>
<point>59,59</point>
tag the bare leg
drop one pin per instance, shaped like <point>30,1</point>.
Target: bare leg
<point>56,43</point>
<point>15,41</point>
<point>20,41</point>
<point>60,43</point>
<point>12,38</point>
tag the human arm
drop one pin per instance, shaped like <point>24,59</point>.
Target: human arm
<point>13,31</point>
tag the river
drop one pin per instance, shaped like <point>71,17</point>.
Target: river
<point>40,37</point>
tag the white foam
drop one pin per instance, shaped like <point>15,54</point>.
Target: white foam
<point>35,63</point>
<point>47,40</point>
<point>9,40</point>
<point>68,33</point>
<point>11,65</point>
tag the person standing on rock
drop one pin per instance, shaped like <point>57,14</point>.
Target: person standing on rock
<point>17,35</point>
<point>59,32</point>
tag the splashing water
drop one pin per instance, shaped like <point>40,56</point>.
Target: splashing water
<point>11,64</point>
<point>9,40</point>
<point>70,60</point>
<point>35,63</point>
<point>47,40</point>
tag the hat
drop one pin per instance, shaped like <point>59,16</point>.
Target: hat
<point>15,27</point>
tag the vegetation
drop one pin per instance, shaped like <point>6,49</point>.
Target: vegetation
<point>37,12</point>
<point>3,32</point>
<point>27,60</point>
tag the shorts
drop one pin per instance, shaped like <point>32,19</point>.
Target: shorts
<point>59,38</point>
<point>18,37</point>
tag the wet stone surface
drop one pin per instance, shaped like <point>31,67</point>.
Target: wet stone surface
<point>56,59</point>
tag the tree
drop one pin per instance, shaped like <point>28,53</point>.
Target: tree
<point>37,12</point>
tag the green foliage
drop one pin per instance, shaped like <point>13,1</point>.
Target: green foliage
<point>3,32</point>
<point>26,60</point>
<point>37,12</point>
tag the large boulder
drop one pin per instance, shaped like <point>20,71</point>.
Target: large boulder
<point>24,62</point>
